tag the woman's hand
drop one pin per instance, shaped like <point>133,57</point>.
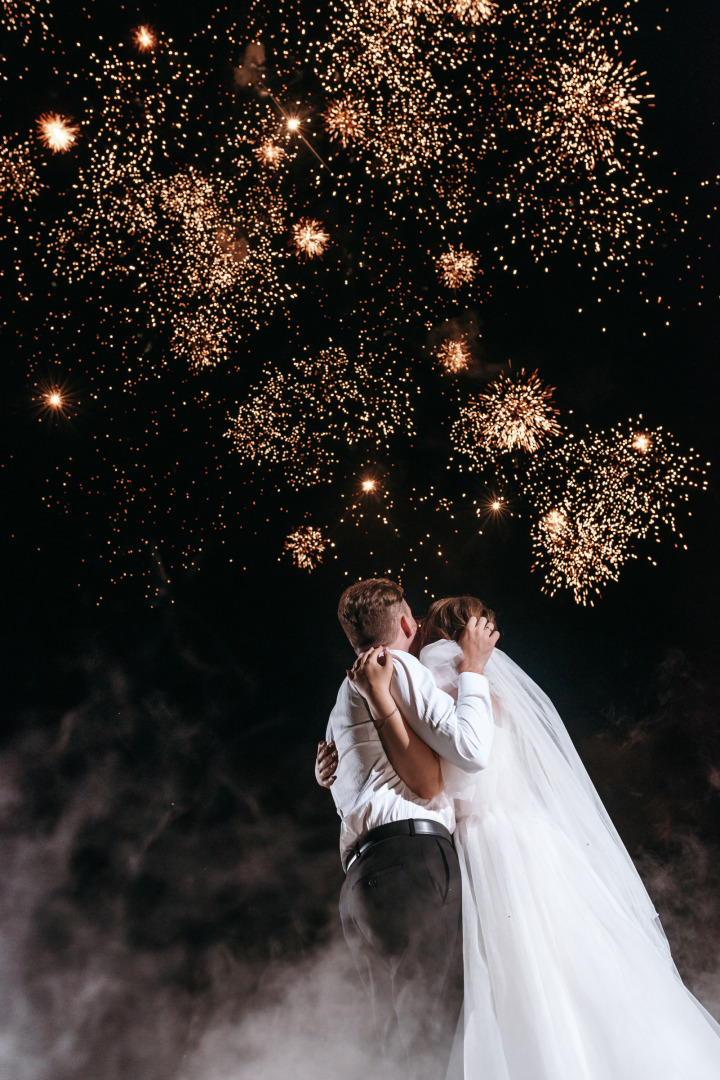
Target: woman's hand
<point>326,764</point>
<point>372,671</point>
<point>477,642</point>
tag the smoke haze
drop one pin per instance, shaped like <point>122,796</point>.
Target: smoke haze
<point>171,871</point>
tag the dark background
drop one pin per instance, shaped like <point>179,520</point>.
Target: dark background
<point>170,867</point>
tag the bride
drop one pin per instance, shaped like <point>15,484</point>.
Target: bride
<point>568,974</point>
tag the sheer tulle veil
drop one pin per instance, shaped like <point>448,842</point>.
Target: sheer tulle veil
<point>568,971</point>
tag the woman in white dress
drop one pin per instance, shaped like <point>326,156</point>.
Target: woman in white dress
<point>568,974</point>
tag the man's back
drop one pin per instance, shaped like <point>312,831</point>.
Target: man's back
<point>368,791</point>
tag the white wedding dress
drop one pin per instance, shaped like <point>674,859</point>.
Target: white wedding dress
<point>568,974</point>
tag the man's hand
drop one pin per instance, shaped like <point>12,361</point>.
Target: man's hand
<point>326,764</point>
<point>371,673</point>
<point>477,642</point>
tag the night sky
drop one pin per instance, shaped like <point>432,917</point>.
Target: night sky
<point>171,869</point>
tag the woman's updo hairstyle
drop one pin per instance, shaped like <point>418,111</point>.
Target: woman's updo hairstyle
<point>446,618</point>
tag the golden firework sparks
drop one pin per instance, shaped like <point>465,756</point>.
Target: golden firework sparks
<point>474,12</point>
<point>54,398</point>
<point>554,523</point>
<point>642,442</point>
<point>368,485</point>
<point>345,121</point>
<point>516,413</point>
<point>145,38</point>
<point>454,355</point>
<point>57,132</point>
<point>592,100</point>
<point>595,497</point>
<point>456,267</point>
<point>18,174</point>
<point>309,237</point>
<point>269,154</point>
<point>306,546</point>
<point>305,419</point>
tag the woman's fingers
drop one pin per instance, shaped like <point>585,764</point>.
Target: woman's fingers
<point>326,764</point>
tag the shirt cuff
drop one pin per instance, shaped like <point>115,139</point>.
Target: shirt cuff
<point>470,682</point>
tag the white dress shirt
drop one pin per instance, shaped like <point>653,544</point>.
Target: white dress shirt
<point>367,790</point>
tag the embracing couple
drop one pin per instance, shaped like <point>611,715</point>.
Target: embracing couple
<point>494,915</point>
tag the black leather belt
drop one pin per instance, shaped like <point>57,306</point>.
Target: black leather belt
<point>408,827</point>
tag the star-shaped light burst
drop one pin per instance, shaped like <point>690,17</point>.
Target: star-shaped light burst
<point>344,121</point>
<point>456,267</point>
<point>454,355</point>
<point>57,132</point>
<point>305,546</point>
<point>144,38</point>
<point>309,237</point>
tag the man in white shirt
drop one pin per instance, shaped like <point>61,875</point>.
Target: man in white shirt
<point>400,901</point>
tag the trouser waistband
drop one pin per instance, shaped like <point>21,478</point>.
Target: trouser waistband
<point>407,827</point>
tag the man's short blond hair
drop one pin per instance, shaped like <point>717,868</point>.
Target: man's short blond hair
<point>369,612</point>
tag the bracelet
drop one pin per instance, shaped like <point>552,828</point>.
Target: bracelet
<point>380,724</point>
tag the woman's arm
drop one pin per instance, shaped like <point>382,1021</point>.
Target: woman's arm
<point>415,763</point>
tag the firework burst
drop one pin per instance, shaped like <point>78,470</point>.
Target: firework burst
<point>456,267</point>
<point>345,121</point>
<point>474,12</point>
<point>516,413</point>
<point>591,102</point>
<point>304,420</point>
<point>144,38</point>
<point>309,238</point>
<point>597,496</point>
<point>57,132</point>
<point>454,355</point>
<point>269,154</point>
<point>305,546</point>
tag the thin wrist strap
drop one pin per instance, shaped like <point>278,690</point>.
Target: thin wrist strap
<point>380,724</point>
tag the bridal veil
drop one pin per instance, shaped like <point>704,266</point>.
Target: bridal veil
<point>568,973</point>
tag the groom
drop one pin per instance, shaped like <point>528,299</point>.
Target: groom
<point>400,901</point>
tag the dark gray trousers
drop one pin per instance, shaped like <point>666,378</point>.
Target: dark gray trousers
<point>400,907</point>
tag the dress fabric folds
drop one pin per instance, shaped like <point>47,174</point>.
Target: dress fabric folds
<point>568,974</point>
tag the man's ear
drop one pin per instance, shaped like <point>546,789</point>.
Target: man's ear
<point>406,626</point>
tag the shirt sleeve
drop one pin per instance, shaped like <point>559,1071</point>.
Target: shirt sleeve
<point>461,734</point>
